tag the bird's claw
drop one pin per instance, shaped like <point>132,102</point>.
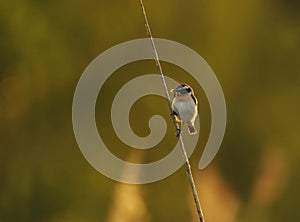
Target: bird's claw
<point>173,113</point>
<point>178,132</point>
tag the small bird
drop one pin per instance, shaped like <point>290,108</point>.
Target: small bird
<point>185,106</point>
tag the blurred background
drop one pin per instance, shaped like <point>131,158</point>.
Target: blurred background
<point>254,48</point>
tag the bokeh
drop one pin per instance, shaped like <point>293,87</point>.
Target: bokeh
<point>254,48</point>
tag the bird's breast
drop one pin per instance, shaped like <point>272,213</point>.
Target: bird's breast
<point>187,109</point>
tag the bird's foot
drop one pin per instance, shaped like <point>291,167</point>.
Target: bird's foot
<point>178,132</point>
<point>173,113</point>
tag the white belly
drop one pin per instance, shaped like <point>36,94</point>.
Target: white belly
<point>187,110</point>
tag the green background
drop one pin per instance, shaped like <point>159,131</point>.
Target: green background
<point>253,47</point>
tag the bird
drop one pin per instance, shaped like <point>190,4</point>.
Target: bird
<point>185,106</point>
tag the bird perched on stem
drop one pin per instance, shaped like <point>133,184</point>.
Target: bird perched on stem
<point>185,106</point>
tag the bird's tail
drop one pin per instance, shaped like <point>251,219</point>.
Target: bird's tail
<point>192,129</point>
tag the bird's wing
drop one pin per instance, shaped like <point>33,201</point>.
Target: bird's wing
<point>194,99</point>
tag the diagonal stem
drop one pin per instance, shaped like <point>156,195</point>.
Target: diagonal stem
<point>180,140</point>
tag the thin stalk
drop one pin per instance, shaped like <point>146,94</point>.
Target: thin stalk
<point>181,143</point>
